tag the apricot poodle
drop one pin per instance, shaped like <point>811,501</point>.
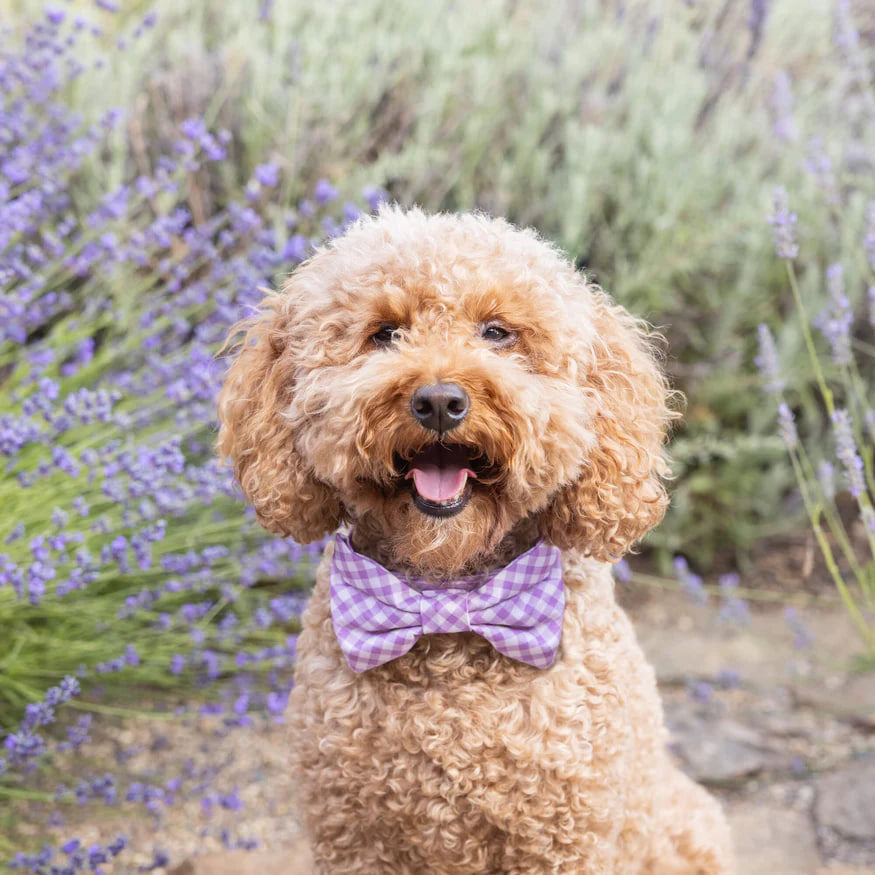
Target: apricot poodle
<point>474,414</point>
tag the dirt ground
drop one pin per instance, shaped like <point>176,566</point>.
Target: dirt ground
<point>783,734</point>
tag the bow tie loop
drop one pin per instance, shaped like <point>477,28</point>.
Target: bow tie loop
<point>379,616</point>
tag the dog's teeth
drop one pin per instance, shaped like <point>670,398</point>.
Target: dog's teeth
<point>455,498</point>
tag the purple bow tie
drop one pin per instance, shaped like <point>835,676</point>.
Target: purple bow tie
<point>378,616</point>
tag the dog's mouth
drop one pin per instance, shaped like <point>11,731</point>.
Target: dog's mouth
<point>440,478</point>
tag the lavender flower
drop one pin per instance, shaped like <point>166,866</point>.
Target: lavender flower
<point>826,478</point>
<point>784,125</point>
<point>324,192</point>
<point>836,320</point>
<point>869,238</point>
<point>845,34</point>
<point>733,610</point>
<point>267,174</point>
<point>787,426</point>
<point>622,571</point>
<point>767,360</point>
<point>846,450</point>
<point>374,196</point>
<point>783,223</point>
<point>802,637</point>
<point>700,691</point>
<point>819,165</point>
<point>691,584</point>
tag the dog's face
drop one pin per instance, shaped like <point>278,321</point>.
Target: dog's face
<point>440,380</point>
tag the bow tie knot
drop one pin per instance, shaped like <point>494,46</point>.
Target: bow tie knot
<point>379,616</point>
<point>444,611</point>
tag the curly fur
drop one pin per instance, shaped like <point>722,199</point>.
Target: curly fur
<point>454,759</point>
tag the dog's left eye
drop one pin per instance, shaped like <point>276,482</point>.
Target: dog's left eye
<point>497,334</point>
<point>384,335</point>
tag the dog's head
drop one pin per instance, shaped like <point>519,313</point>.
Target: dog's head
<point>444,379</point>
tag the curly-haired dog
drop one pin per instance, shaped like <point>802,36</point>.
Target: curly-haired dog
<point>454,390</point>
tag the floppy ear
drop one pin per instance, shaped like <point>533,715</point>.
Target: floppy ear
<point>258,436</point>
<point>619,495</point>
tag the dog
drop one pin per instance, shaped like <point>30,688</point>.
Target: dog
<point>474,416</point>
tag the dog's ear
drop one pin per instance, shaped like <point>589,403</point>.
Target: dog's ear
<point>258,434</point>
<point>619,495</point>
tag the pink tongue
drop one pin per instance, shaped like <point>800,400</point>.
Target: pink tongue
<point>439,484</point>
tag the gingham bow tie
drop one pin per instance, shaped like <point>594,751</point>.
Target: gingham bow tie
<point>378,616</point>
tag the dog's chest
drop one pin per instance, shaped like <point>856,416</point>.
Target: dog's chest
<point>449,757</point>
<point>487,728</point>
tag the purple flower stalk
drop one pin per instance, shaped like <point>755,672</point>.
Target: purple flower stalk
<point>691,584</point>
<point>267,174</point>
<point>845,34</point>
<point>802,637</point>
<point>783,224</point>
<point>869,238</point>
<point>374,196</point>
<point>846,450</point>
<point>734,609</point>
<point>767,361</point>
<point>622,571</point>
<point>784,125</point>
<point>787,426</point>
<point>324,192</point>
<point>826,478</point>
<point>700,691</point>
<point>836,320</point>
<point>819,165</point>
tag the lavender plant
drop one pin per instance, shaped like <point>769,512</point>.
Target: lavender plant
<point>126,559</point>
<point>842,380</point>
<point>848,551</point>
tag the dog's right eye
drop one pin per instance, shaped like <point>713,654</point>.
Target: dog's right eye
<point>384,335</point>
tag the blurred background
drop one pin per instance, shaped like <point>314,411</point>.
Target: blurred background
<point>711,164</point>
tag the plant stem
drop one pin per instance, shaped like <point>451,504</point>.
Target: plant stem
<point>866,633</point>
<point>809,340</point>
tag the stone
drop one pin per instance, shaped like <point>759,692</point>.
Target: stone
<point>770,840</point>
<point>845,801</point>
<point>852,701</point>
<point>714,749</point>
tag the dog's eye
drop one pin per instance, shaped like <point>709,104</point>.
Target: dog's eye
<point>497,335</point>
<point>384,335</point>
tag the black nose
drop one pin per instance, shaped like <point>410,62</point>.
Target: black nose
<point>440,407</point>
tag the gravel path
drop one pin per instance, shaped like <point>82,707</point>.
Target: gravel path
<point>784,735</point>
